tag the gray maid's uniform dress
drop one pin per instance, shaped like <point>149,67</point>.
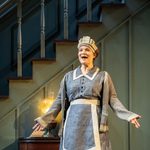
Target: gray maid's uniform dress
<point>84,101</point>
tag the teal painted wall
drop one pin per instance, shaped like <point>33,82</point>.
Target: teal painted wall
<point>116,63</point>
<point>126,55</point>
<point>140,78</point>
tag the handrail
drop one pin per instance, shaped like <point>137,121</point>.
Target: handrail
<point>4,3</point>
<point>68,66</point>
<point>7,5</point>
<point>35,47</point>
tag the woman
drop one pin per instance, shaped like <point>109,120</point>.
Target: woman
<point>84,96</point>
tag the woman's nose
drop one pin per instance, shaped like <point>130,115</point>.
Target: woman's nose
<point>83,51</point>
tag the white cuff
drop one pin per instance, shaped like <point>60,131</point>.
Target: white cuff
<point>41,121</point>
<point>132,116</point>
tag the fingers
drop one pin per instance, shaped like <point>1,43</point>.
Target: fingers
<point>135,122</point>
<point>35,126</point>
<point>38,127</point>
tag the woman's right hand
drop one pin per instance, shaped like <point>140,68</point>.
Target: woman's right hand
<point>38,127</point>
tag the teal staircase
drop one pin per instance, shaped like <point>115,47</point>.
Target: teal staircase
<point>19,103</point>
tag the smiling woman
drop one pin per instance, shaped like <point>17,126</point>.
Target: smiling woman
<point>86,58</point>
<point>84,96</point>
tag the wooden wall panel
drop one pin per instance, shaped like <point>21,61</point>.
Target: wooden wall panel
<point>116,63</point>
<point>141,78</point>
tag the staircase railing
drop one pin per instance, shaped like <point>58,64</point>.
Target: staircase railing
<point>16,109</point>
<point>19,39</point>
<point>7,6</point>
<point>42,29</point>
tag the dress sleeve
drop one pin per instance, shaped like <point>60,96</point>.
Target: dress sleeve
<point>115,103</point>
<point>53,111</point>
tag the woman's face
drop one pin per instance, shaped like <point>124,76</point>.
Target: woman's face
<point>86,55</point>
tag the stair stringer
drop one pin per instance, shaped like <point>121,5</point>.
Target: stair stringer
<point>19,90</point>
<point>88,32</point>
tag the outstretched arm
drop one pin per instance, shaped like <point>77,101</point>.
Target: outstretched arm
<point>119,108</point>
<point>49,117</point>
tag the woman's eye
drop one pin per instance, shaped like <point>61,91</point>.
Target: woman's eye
<point>87,50</point>
<point>80,50</point>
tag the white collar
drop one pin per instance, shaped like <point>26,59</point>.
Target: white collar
<point>77,73</point>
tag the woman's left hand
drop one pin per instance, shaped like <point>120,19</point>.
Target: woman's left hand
<point>135,121</point>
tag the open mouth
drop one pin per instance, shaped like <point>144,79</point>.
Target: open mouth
<point>84,56</point>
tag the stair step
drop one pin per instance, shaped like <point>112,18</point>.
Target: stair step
<point>19,87</point>
<point>44,60</point>
<point>3,98</point>
<point>112,4</point>
<point>65,42</point>
<point>92,29</point>
<point>90,23</point>
<point>109,19</point>
<point>43,70</point>
<point>11,79</point>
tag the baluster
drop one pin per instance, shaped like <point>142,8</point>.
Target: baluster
<point>17,125</point>
<point>42,30</point>
<point>19,40</point>
<point>89,10</point>
<point>65,19</point>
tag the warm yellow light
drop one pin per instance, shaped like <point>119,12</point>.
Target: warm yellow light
<point>45,104</point>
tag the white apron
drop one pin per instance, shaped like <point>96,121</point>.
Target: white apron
<point>81,130</point>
